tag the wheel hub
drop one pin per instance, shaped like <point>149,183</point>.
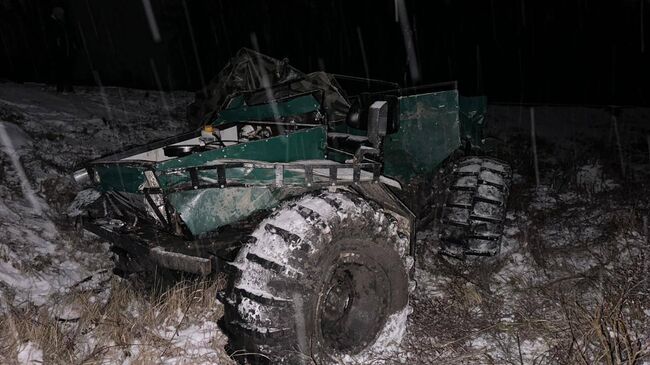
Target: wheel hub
<point>353,307</point>
<point>339,298</point>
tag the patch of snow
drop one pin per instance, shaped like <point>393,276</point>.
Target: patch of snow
<point>511,231</point>
<point>27,288</point>
<point>518,266</point>
<point>25,184</point>
<point>18,138</point>
<point>471,168</point>
<point>542,198</point>
<point>568,197</point>
<point>494,166</point>
<point>30,353</point>
<point>66,312</point>
<point>532,349</point>
<point>431,285</point>
<point>193,343</point>
<point>83,199</point>
<point>491,177</point>
<point>51,135</point>
<point>592,179</point>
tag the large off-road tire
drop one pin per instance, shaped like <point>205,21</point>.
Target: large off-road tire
<point>322,279</point>
<point>474,212</point>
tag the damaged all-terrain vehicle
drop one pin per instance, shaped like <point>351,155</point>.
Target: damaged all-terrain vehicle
<point>308,199</point>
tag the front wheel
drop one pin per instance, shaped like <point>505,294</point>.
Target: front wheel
<point>322,279</point>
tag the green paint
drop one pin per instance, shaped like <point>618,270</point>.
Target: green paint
<point>243,175</point>
<point>120,177</point>
<point>207,209</point>
<point>304,144</point>
<point>429,132</point>
<point>238,111</point>
<point>431,128</point>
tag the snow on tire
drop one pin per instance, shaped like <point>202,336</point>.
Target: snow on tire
<point>475,207</point>
<point>323,278</point>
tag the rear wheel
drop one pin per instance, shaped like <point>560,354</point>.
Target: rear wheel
<point>324,278</point>
<point>475,207</point>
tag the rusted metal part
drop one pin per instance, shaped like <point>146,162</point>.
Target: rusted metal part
<point>180,262</point>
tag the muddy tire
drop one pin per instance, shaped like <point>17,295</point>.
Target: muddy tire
<point>322,279</point>
<point>474,211</point>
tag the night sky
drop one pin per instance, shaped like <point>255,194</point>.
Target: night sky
<point>570,51</point>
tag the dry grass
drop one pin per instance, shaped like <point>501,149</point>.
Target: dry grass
<point>120,324</point>
<point>575,290</point>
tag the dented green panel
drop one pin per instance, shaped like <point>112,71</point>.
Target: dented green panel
<point>205,210</point>
<point>429,132</point>
<point>208,209</point>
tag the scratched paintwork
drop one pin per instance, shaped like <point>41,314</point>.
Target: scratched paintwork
<point>206,209</point>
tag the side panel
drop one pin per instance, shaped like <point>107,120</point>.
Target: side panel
<point>306,144</point>
<point>429,132</point>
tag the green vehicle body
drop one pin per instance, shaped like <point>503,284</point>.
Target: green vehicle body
<point>300,190</point>
<point>432,126</point>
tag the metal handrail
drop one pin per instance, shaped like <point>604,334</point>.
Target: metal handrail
<point>309,170</point>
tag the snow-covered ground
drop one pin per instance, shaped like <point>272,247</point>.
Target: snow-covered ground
<point>571,284</point>
<point>59,302</point>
